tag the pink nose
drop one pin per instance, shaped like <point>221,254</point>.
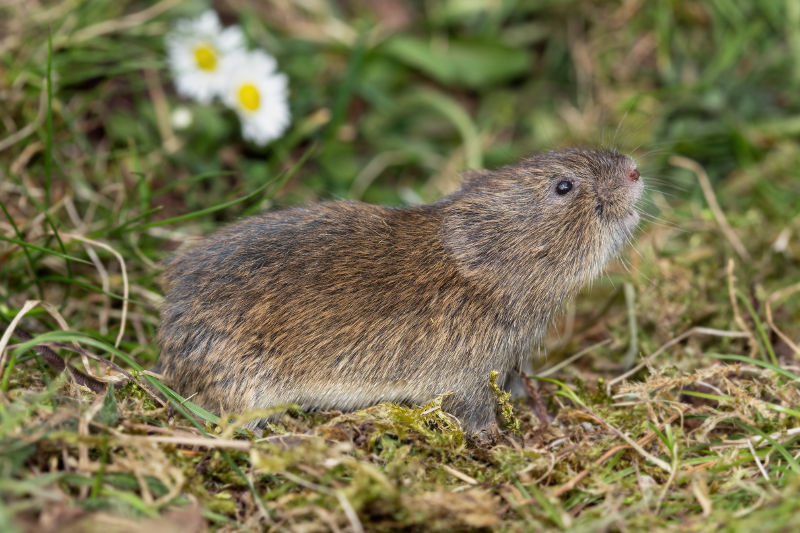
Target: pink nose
<point>634,175</point>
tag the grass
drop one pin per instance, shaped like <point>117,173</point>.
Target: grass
<point>683,411</point>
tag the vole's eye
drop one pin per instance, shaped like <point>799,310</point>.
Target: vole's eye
<point>563,187</point>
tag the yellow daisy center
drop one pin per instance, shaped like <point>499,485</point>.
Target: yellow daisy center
<point>249,97</point>
<point>206,57</point>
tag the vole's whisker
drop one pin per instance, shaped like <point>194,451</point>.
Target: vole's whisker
<point>650,191</point>
<point>667,189</point>
<point>619,125</point>
<point>658,221</point>
<point>655,151</point>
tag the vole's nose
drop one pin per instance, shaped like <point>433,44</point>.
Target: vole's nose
<point>633,175</point>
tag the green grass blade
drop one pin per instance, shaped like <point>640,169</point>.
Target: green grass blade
<point>564,390</point>
<point>93,288</point>
<point>547,507</point>
<point>21,237</point>
<point>48,147</point>
<point>347,85</point>
<point>279,179</point>
<point>785,410</point>
<point>460,119</point>
<point>116,230</point>
<point>44,250</point>
<point>790,460</point>
<point>764,364</point>
<point>190,180</point>
<point>48,163</point>
<point>762,333</point>
<point>180,403</point>
<point>696,394</point>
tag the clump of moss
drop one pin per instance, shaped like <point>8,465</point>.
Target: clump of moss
<point>132,390</point>
<point>503,400</point>
<point>427,425</point>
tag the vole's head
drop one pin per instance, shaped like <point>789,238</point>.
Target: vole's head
<point>581,197</point>
<point>553,219</point>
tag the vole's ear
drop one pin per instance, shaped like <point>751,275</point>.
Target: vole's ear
<point>488,242</point>
<point>472,177</point>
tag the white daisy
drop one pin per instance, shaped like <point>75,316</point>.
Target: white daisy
<point>198,50</point>
<point>259,95</point>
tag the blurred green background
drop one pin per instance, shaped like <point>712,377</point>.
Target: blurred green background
<point>400,96</point>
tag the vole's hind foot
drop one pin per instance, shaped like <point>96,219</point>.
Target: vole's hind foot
<point>515,384</point>
<point>475,411</point>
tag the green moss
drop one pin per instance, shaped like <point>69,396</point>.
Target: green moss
<point>503,400</point>
<point>132,390</point>
<point>222,502</point>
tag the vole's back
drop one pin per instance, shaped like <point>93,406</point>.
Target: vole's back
<point>339,305</point>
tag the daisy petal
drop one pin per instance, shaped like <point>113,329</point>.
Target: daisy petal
<point>197,51</point>
<point>259,95</point>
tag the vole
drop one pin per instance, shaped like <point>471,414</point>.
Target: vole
<point>343,305</point>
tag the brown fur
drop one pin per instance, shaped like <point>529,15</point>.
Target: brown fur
<point>343,305</point>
